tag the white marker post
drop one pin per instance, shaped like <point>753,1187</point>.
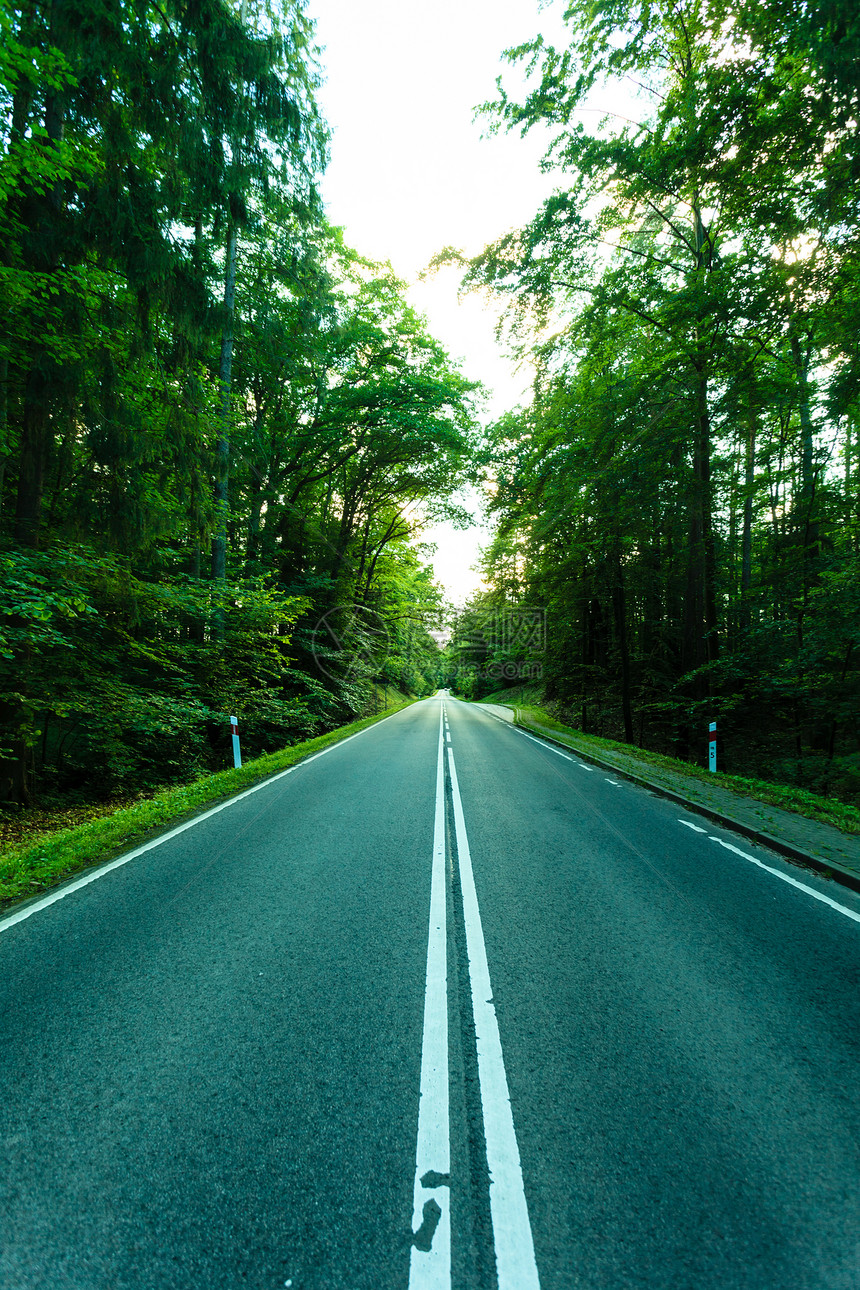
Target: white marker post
<point>712,746</point>
<point>237,754</point>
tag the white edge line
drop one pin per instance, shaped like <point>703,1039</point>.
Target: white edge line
<point>62,892</point>
<point>810,891</point>
<point>512,1234</point>
<point>688,824</point>
<point>431,1269</point>
<point>549,747</point>
<point>543,744</point>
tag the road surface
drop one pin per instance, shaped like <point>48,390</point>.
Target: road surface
<point>442,1008</point>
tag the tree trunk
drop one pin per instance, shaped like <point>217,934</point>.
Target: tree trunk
<point>222,448</point>
<point>17,778</point>
<point>746,533</point>
<point>700,642</point>
<point>17,768</point>
<point>21,105</point>
<point>712,644</point>
<point>260,489</point>
<point>848,457</point>
<point>225,378</point>
<point>807,436</point>
<point>32,460</point>
<point>36,428</point>
<point>4,425</point>
<point>619,608</point>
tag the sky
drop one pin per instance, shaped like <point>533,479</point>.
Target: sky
<point>410,173</point>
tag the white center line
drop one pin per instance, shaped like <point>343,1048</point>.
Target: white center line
<point>430,1259</point>
<point>810,891</point>
<point>512,1233</point>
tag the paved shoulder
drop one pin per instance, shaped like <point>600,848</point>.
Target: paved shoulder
<point>806,839</point>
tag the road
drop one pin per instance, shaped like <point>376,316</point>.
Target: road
<point>442,1008</point>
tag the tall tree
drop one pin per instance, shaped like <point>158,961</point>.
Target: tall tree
<point>696,270</point>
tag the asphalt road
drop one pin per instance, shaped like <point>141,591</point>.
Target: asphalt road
<point>440,1008</point>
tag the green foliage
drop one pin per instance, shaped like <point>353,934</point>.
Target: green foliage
<point>218,423</point>
<point>105,669</point>
<point>681,496</point>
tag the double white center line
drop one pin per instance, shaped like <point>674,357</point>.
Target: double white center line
<point>430,1265</point>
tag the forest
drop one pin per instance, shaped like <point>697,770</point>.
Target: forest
<point>679,500</point>
<point>222,429</point>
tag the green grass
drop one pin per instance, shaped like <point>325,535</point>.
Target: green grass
<point>40,862</point>
<point>531,692</point>
<point>812,806</point>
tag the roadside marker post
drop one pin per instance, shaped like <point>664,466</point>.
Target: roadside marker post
<point>712,746</point>
<point>237,753</point>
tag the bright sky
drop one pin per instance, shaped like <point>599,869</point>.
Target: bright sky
<point>411,174</point>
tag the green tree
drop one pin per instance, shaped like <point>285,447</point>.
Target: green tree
<point>672,489</point>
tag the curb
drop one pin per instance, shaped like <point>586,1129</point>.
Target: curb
<point>829,869</point>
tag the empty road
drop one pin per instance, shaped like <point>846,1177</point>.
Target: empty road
<point>441,1008</point>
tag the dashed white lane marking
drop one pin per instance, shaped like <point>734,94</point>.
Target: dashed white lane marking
<point>512,1234</point>
<point>612,781</point>
<point>784,876</point>
<point>810,891</point>
<point>430,1266</point>
<point>52,899</point>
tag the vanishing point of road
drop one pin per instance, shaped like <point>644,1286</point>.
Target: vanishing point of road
<point>442,1008</point>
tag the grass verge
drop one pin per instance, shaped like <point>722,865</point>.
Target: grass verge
<point>41,862</point>
<point>531,692</point>
<point>811,806</point>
